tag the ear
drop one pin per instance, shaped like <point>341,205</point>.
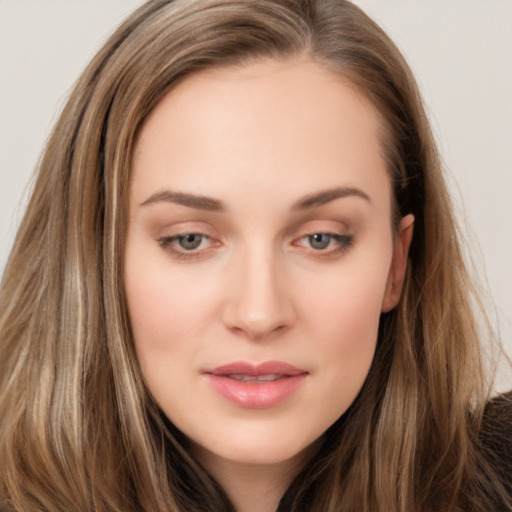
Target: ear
<point>398,266</point>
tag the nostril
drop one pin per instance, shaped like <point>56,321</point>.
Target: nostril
<point>258,332</point>
<point>257,326</point>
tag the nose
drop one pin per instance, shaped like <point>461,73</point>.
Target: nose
<point>260,298</point>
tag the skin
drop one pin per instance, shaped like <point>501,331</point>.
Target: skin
<point>260,138</point>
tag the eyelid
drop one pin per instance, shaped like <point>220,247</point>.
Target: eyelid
<point>344,241</point>
<point>340,233</point>
<point>170,234</point>
<point>340,238</point>
<point>168,243</point>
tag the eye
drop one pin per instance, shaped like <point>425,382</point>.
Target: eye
<point>186,245</point>
<point>326,242</point>
<point>319,241</point>
<point>190,241</point>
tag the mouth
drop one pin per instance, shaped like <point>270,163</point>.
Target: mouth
<point>256,386</point>
<point>271,377</point>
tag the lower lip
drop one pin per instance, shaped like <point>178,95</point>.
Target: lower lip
<point>256,395</point>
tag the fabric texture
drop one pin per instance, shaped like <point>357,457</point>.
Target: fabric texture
<point>496,438</point>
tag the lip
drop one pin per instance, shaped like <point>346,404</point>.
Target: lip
<point>238,382</point>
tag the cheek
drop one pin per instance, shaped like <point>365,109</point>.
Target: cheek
<point>343,316</point>
<point>351,326</point>
<point>169,316</point>
<point>347,298</point>
<point>165,305</point>
<point>157,308</point>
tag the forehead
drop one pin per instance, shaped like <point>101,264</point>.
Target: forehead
<point>278,121</point>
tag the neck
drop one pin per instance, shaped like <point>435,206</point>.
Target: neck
<point>254,487</point>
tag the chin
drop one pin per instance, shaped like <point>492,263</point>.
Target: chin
<point>272,448</point>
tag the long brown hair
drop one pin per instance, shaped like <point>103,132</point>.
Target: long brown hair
<point>79,430</point>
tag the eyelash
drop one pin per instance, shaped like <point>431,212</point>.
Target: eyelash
<point>168,243</point>
<point>344,242</point>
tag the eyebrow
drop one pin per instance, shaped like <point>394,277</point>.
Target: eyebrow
<point>209,204</point>
<point>326,196</point>
<point>190,200</point>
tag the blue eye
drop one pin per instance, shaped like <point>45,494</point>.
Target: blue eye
<point>327,241</point>
<point>190,241</point>
<point>184,245</point>
<point>319,241</point>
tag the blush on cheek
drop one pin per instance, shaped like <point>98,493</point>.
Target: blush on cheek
<point>355,340</point>
<point>164,312</point>
<point>353,317</point>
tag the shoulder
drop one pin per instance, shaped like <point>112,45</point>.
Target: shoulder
<point>496,437</point>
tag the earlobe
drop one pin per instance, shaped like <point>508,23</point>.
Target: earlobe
<point>398,266</point>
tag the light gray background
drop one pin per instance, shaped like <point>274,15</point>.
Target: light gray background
<point>460,50</point>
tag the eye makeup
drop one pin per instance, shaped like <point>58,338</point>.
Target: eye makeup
<point>327,242</point>
<point>189,245</point>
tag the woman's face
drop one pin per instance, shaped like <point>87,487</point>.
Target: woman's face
<point>259,256</point>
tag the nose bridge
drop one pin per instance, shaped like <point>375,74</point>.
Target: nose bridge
<point>260,302</point>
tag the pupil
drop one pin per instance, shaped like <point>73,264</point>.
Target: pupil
<point>191,241</point>
<point>319,240</point>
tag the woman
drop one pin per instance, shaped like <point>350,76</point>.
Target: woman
<point>238,284</point>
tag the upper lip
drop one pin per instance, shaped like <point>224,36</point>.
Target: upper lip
<point>251,369</point>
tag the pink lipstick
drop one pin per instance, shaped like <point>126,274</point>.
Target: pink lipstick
<point>258,386</point>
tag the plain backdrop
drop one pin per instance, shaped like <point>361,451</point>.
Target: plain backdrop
<point>460,51</point>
